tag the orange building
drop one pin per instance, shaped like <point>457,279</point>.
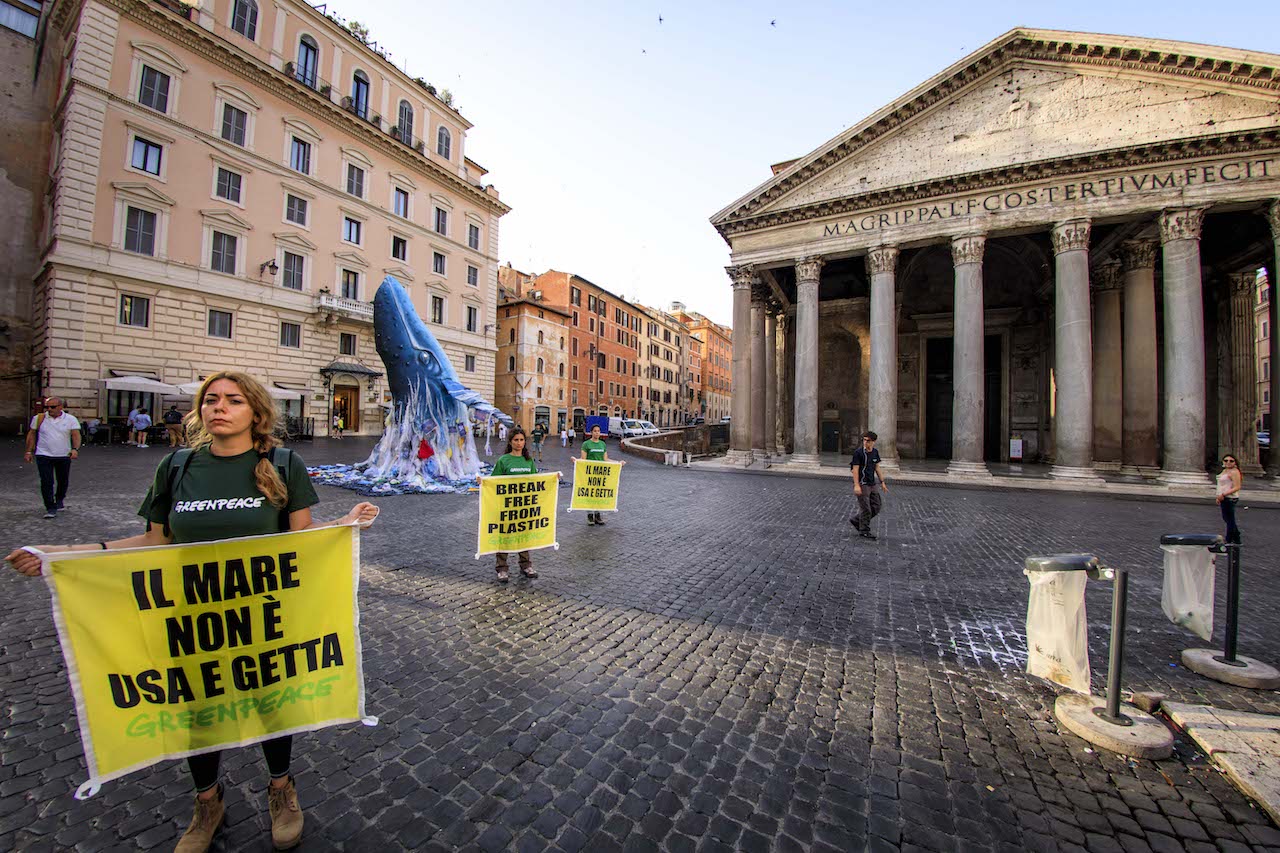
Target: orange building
<point>604,346</point>
<point>712,379</point>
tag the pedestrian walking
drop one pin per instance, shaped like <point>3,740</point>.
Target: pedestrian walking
<point>1230,482</point>
<point>865,469</point>
<point>338,424</point>
<point>539,435</point>
<point>233,454</point>
<point>595,450</point>
<point>502,432</point>
<point>514,462</point>
<point>141,424</point>
<point>564,438</point>
<point>572,436</point>
<point>53,441</point>
<point>173,423</point>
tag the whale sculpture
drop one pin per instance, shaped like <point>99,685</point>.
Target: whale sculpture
<point>427,443</point>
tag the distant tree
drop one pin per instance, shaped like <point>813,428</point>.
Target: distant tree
<point>359,30</point>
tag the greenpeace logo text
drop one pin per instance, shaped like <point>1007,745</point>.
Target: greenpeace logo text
<point>223,503</point>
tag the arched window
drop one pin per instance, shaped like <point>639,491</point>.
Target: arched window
<point>511,364</point>
<point>405,123</point>
<point>244,18</point>
<point>541,366</point>
<point>562,370</point>
<point>540,337</point>
<point>562,342</point>
<point>360,94</point>
<point>444,143</point>
<point>513,336</point>
<point>308,61</point>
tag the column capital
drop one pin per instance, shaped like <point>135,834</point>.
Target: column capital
<point>1138,254</point>
<point>809,268</point>
<point>743,276</point>
<point>1243,282</point>
<point>882,259</point>
<point>759,293</point>
<point>1071,235</point>
<point>1108,276</point>
<point>1273,219</point>
<point>1181,223</point>
<point>968,249</point>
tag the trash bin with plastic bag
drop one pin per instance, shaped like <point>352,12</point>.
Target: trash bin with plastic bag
<point>1189,568</point>
<point>1057,630</point>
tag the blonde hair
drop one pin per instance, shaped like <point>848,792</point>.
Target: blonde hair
<point>263,430</point>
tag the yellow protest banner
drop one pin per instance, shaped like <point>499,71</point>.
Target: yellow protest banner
<point>517,513</point>
<point>595,485</point>
<point>184,649</point>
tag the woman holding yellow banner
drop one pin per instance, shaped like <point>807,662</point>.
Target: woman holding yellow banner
<point>232,482</point>
<point>515,461</point>
<point>595,450</point>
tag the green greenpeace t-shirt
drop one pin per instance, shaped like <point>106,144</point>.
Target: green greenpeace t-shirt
<point>595,450</point>
<point>218,498</point>
<point>510,463</point>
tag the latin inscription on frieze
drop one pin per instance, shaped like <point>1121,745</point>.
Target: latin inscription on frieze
<point>1048,196</point>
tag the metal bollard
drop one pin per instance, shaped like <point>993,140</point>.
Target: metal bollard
<point>1115,665</point>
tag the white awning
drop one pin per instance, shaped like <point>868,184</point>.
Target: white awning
<point>279,393</point>
<point>190,388</point>
<point>140,384</point>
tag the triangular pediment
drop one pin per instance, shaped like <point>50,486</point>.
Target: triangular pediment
<point>1031,97</point>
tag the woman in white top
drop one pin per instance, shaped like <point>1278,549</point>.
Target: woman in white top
<point>1230,481</point>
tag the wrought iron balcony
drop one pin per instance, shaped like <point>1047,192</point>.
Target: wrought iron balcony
<point>341,306</point>
<point>311,81</point>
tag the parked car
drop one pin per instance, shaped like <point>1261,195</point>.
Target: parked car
<point>694,421</point>
<point>649,428</point>
<point>625,428</point>
<point>1264,438</point>
<point>726,419</point>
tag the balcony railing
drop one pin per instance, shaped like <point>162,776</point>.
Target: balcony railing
<point>342,306</point>
<point>183,9</point>
<point>311,81</point>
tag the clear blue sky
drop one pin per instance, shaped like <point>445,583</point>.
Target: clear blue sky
<point>615,137</point>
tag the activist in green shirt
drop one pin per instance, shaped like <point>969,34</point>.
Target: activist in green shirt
<point>516,461</point>
<point>595,450</point>
<point>230,488</point>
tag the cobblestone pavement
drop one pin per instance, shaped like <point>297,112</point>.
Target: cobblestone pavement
<point>722,667</point>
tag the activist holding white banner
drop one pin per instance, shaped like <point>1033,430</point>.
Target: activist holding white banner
<point>232,482</point>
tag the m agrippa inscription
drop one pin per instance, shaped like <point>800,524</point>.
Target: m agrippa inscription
<point>1084,190</point>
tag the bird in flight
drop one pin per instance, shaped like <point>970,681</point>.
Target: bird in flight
<point>659,19</point>
<point>774,22</point>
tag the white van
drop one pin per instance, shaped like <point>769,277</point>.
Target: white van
<point>625,428</point>
<point>649,428</point>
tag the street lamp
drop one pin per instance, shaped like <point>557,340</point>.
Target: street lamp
<point>268,266</point>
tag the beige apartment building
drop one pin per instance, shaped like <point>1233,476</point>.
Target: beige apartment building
<point>228,185</point>
<point>663,364</point>
<point>531,383</point>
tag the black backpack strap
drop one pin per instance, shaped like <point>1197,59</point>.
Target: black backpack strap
<point>281,457</point>
<point>178,463</point>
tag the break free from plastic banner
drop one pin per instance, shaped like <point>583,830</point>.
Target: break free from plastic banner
<point>517,513</point>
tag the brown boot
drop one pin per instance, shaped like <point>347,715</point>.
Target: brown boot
<point>286,815</point>
<point>204,823</point>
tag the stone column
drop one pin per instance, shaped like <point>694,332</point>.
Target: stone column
<point>882,397</point>
<point>968,369</point>
<point>1108,369</point>
<point>740,394</point>
<point>1140,454</point>
<point>1184,368</point>
<point>786,384</point>
<point>771,382</point>
<point>1243,433</point>
<point>808,274</point>
<point>757,372</point>
<point>1273,324</point>
<point>1073,353</point>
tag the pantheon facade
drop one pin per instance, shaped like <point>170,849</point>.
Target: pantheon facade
<point>1047,253</point>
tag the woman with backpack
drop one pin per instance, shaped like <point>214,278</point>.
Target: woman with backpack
<point>233,454</point>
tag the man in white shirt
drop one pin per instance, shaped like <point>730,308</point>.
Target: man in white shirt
<point>54,440</point>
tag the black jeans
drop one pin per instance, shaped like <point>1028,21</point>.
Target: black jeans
<point>277,751</point>
<point>51,467</point>
<point>1228,507</point>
